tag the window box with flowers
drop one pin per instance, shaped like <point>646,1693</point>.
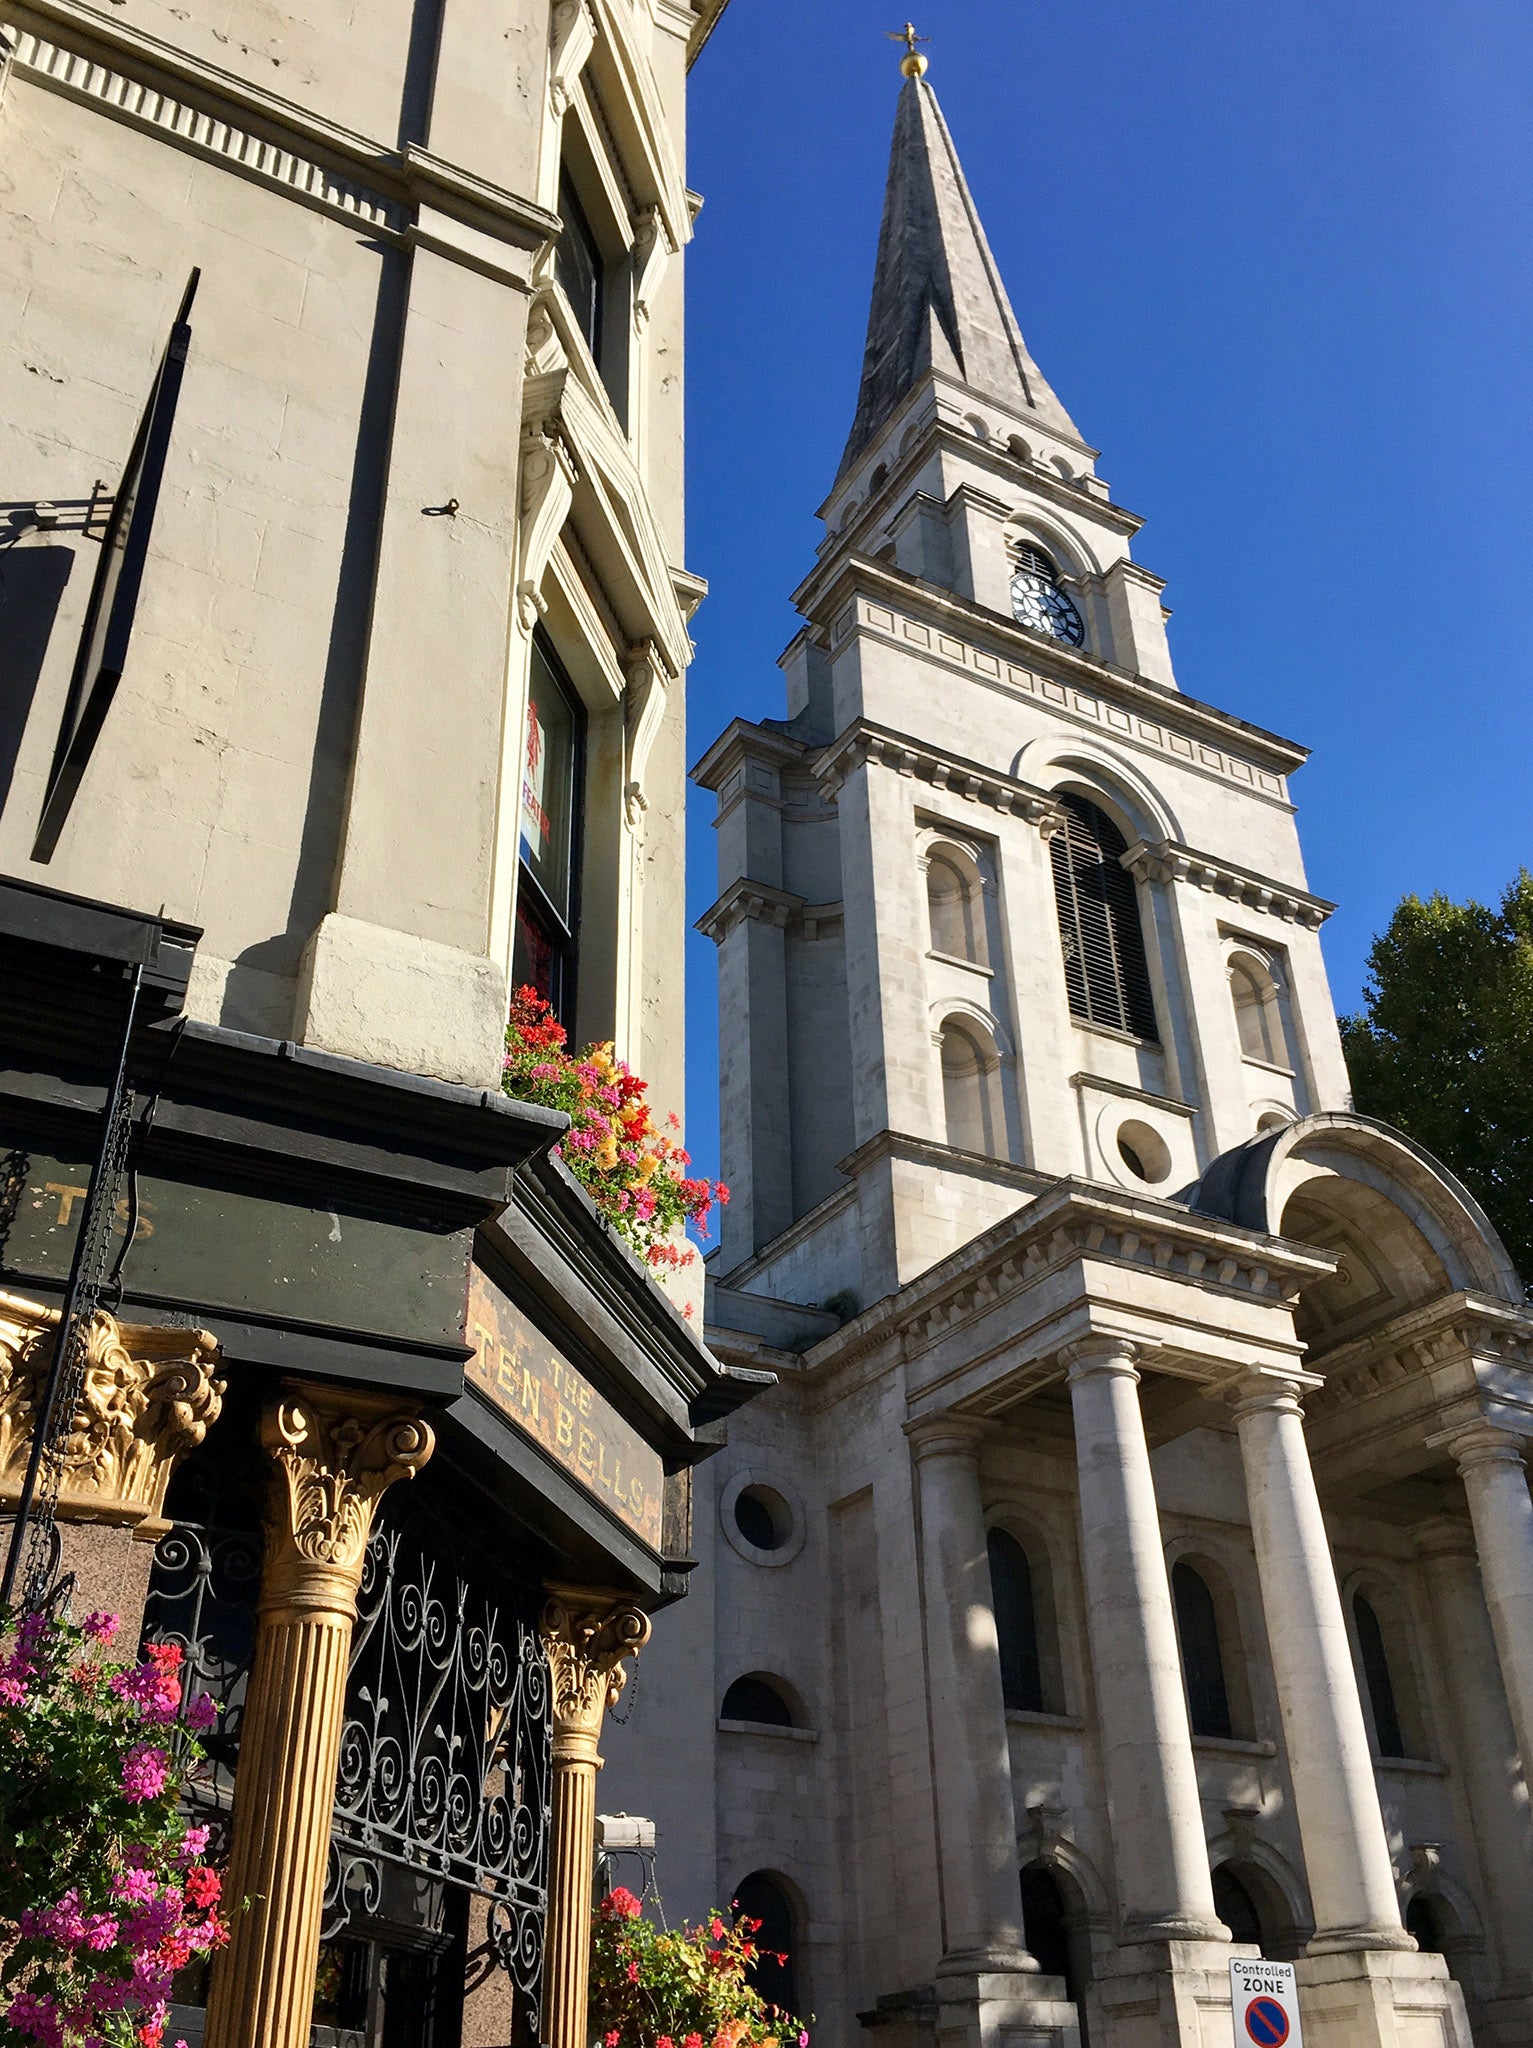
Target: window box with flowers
<point>634,1171</point>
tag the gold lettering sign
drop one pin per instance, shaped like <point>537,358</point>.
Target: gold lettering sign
<point>535,1386</point>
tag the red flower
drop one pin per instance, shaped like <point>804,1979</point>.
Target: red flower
<point>633,1973</point>
<point>203,1886</point>
<point>622,1904</point>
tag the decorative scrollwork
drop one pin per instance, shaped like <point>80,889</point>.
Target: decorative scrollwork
<point>444,1760</point>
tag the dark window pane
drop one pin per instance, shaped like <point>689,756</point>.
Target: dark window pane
<point>757,1523</point>
<point>1106,971</point>
<point>754,1699</point>
<point>1044,1929</point>
<point>1236,1907</point>
<point>761,1898</point>
<point>534,962</point>
<point>578,267</point>
<point>1421,1920</point>
<point>1016,1626</point>
<point>1381,1689</point>
<point>1197,1625</point>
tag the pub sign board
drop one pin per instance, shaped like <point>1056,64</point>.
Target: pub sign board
<point>1265,1999</point>
<point>530,1381</point>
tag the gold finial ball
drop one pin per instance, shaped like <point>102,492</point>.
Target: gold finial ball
<point>913,65</point>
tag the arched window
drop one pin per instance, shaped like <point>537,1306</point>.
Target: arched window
<point>968,1095</point>
<point>1236,1907</point>
<point>1037,600</point>
<point>956,907</point>
<point>1106,971</point>
<point>1016,1621</point>
<point>1197,1628</point>
<point>1256,1012</point>
<point>1376,1675</point>
<point>754,1698</point>
<point>761,1898</point>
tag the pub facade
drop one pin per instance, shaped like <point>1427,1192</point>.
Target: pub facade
<point>342,639</point>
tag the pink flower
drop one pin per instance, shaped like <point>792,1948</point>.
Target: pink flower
<point>37,2016</point>
<point>201,1710</point>
<point>633,1973</point>
<point>12,1692</point>
<point>144,1771</point>
<point>193,1844</point>
<point>100,1625</point>
<point>610,2040</point>
<point>134,1887</point>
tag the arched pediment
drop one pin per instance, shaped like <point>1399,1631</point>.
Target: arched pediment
<point>1406,1228</point>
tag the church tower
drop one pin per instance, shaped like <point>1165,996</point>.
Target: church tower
<point>987,754</point>
<point>1125,1573</point>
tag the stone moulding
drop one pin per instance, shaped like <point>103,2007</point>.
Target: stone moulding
<point>150,1395</point>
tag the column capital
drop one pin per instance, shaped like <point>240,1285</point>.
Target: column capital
<point>1272,1388</point>
<point>1479,1442</point>
<point>1099,1351</point>
<point>587,1632</point>
<point>336,1453</point>
<point>946,1436</point>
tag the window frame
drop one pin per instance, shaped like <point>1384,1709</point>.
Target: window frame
<point>576,231</point>
<point>1120,950</point>
<point>559,931</point>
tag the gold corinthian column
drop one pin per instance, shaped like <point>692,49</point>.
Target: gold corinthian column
<point>335,1453</point>
<point>586,1634</point>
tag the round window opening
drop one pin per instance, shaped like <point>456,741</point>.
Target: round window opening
<point>763,1518</point>
<point>1144,1152</point>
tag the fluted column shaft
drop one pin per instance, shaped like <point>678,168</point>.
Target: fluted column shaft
<point>1501,1509</point>
<point>971,1757</point>
<point>587,1633</point>
<point>1159,1853</point>
<point>1336,1798</point>
<point>335,1453</point>
<point>1484,1742</point>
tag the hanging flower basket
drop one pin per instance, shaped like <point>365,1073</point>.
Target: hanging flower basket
<point>652,1987</point>
<point>104,1890</point>
<point>633,1171</point>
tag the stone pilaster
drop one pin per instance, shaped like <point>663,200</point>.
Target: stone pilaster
<point>587,1632</point>
<point>335,1453</point>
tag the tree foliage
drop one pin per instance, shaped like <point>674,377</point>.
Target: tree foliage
<point>1443,1048</point>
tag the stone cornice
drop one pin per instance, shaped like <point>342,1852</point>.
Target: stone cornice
<point>104,62</point>
<point>866,741</point>
<point>746,902</point>
<point>1075,1220</point>
<point>927,1152</point>
<point>1455,1328</point>
<point>742,740</point>
<point>996,649</point>
<point>1163,860</point>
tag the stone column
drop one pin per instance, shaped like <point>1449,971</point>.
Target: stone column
<point>971,1758</point>
<point>1159,1851</point>
<point>587,1632</point>
<point>336,1452</point>
<point>1496,1481</point>
<point>1483,1742</point>
<point>1346,1854</point>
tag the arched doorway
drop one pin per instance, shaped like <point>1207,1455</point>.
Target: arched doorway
<point>1054,1928</point>
<point>774,1973</point>
<point>1254,1907</point>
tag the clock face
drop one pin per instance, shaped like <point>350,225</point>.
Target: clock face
<point>1038,603</point>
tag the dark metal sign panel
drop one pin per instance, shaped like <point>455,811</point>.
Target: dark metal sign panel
<point>236,1249</point>
<point>531,1382</point>
<point>113,603</point>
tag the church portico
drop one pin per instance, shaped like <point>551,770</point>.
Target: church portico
<point>1160,1585</point>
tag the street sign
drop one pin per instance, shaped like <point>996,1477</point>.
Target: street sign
<point>1265,1999</point>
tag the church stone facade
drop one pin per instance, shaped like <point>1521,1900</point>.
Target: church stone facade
<point>1132,1567</point>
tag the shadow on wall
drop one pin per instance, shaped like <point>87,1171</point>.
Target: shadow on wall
<point>32,581</point>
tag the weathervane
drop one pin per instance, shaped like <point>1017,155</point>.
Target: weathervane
<point>913,64</point>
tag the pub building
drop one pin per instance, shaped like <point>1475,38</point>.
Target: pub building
<point>343,647</point>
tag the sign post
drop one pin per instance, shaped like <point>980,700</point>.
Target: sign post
<point>1265,1999</point>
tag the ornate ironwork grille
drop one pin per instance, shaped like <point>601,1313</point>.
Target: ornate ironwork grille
<point>444,1767</point>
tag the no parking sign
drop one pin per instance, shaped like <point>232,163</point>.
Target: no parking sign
<point>1266,2005</point>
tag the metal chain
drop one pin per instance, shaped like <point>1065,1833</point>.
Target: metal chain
<point>100,1207</point>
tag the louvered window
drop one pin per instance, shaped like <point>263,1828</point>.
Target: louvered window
<point>1105,968</point>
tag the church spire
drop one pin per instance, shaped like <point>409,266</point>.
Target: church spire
<point>938,299</point>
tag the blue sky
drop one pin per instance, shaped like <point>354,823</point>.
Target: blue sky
<point>1276,261</point>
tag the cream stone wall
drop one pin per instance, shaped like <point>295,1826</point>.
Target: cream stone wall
<point>392,458</point>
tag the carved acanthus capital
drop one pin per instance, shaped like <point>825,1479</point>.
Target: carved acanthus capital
<point>149,1396</point>
<point>587,1632</point>
<point>336,1453</point>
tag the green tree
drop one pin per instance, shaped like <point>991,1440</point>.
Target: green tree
<point>1443,1048</point>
